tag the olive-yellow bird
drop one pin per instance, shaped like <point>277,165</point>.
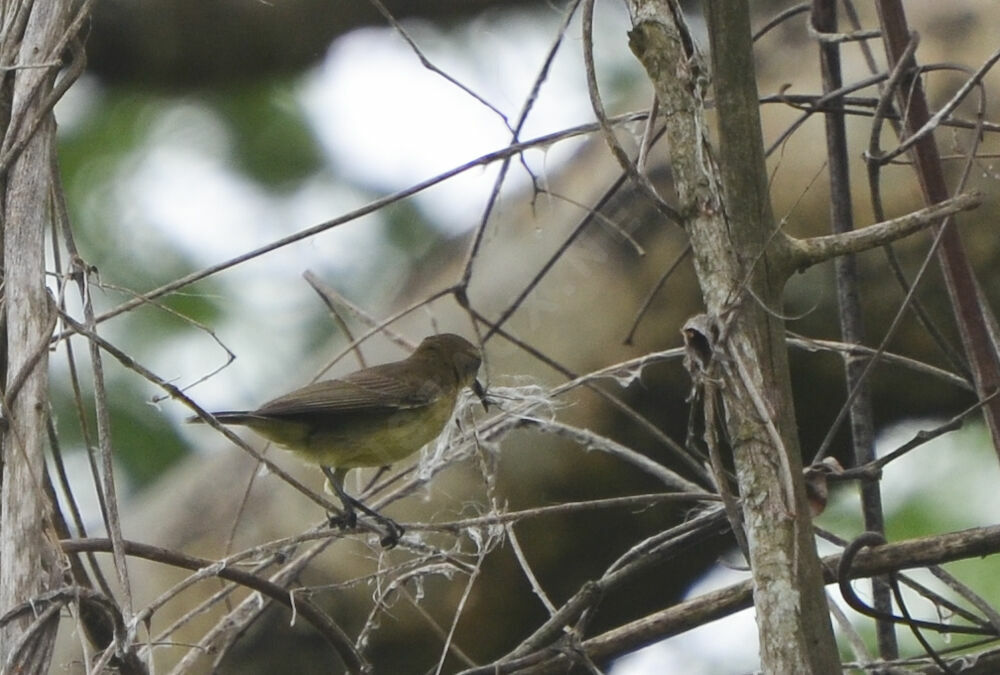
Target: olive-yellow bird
<point>372,417</point>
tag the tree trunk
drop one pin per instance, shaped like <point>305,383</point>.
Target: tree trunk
<point>728,218</point>
<point>28,558</point>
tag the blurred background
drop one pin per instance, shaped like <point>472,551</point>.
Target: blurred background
<point>207,129</point>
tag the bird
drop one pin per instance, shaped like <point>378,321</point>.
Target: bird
<point>372,417</point>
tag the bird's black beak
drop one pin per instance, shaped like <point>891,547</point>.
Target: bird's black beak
<point>477,388</point>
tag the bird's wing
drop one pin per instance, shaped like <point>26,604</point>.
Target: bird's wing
<point>370,389</point>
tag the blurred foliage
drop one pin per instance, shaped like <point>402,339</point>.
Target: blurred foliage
<point>94,157</point>
<point>272,143</point>
<point>262,129</point>
<point>408,231</point>
<point>144,445</point>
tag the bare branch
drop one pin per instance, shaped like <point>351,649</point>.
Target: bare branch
<point>330,631</point>
<point>804,253</point>
<point>910,554</point>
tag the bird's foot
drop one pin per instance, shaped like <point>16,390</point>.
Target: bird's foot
<point>343,520</point>
<point>394,531</point>
<point>348,520</point>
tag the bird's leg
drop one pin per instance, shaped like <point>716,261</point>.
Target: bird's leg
<point>378,474</point>
<point>480,391</point>
<point>351,505</point>
<point>335,482</point>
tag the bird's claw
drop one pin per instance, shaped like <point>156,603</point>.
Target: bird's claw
<point>344,520</point>
<point>394,534</point>
<point>348,520</point>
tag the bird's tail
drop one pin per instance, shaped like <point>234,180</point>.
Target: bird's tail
<point>225,417</point>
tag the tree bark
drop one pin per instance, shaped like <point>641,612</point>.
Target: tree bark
<point>742,274</point>
<point>28,555</point>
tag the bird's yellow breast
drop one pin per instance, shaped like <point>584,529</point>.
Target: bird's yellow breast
<point>361,439</point>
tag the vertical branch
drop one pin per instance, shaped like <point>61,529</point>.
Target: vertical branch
<point>824,20</point>
<point>793,621</point>
<point>28,559</point>
<point>742,275</point>
<point>970,313</point>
